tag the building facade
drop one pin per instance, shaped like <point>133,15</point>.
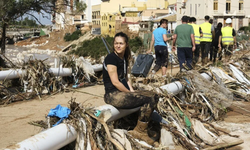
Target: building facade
<point>66,15</point>
<point>130,13</point>
<point>96,19</point>
<point>218,10</point>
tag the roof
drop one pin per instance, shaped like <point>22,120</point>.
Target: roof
<point>169,18</point>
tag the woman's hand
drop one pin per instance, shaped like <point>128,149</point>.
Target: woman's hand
<point>149,51</point>
<point>219,45</point>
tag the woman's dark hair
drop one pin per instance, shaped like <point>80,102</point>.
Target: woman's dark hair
<point>219,25</point>
<point>163,21</point>
<point>127,54</point>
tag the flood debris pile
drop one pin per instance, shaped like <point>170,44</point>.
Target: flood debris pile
<point>183,120</point>
<point>9,95</point>
<point>37,78</point>
<point>186,119</point>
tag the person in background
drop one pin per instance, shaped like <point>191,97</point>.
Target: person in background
<point>188,20</point>
<point>120,93</point>
<point>197,34</point>
<point>211,21</point>
<point>159,39</point>
<point>215,42</point>
<point>206,39</point>
<point>184,38</point>
<point>228,38</point>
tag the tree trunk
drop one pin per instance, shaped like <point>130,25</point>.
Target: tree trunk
<point>3,39</point>
<point>2,62</point>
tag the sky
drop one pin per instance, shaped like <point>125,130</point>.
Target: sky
<point>44,21</point>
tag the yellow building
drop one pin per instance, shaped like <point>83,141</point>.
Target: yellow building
<point>108,24</point>
<point>125,10</point>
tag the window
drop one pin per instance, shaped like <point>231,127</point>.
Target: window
<point>241,5</point>
<point>190,9</point>
<point>195,9</point>
<point>228,6</point>
<point>240,22</point>
<point>216,5</point>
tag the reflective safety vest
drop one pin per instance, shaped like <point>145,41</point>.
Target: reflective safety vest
<point>227,36</point>
<point>206,30</point>
<point>196,33</point>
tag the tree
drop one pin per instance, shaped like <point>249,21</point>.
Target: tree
<point>11,10</point>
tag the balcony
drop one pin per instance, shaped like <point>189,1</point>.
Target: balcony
<point>240,13</point>
<point>229,13</point>
<point>217,13</point>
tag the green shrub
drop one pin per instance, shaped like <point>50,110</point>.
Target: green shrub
<point>74,36</point>
<point>245,28</point>
<point>242,37</point>
<point>135,44</point>
<point>95,48</point>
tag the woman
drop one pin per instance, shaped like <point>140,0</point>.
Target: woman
<point>159,39</point>
<point>120,93</point>
<point>215,42</point>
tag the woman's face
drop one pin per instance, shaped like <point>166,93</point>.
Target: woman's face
<point>120,45</point>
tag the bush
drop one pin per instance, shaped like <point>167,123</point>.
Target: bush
<point>135,44</point>
<point>245,28</point>
<point>74,36</point>
<point>95,48</point>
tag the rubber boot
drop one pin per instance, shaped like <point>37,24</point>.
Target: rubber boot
<point>141,132</point>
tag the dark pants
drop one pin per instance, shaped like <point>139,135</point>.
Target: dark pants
<point>205,48</point>
<point>161,53</point>
<point>129,100</point>
<point>196,54</point>
<point>185,56</point>
<point>211,52</point>
<point>216,49</point>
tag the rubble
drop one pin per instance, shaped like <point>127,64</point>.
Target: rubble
<point>188,118</point>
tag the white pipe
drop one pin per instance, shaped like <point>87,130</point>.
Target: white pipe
<point>97,67</point>
<point>57,137</point>
<point>61,71</point>
<point>176,87</point>
<point>50,139</point>
<point>13,74</point>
